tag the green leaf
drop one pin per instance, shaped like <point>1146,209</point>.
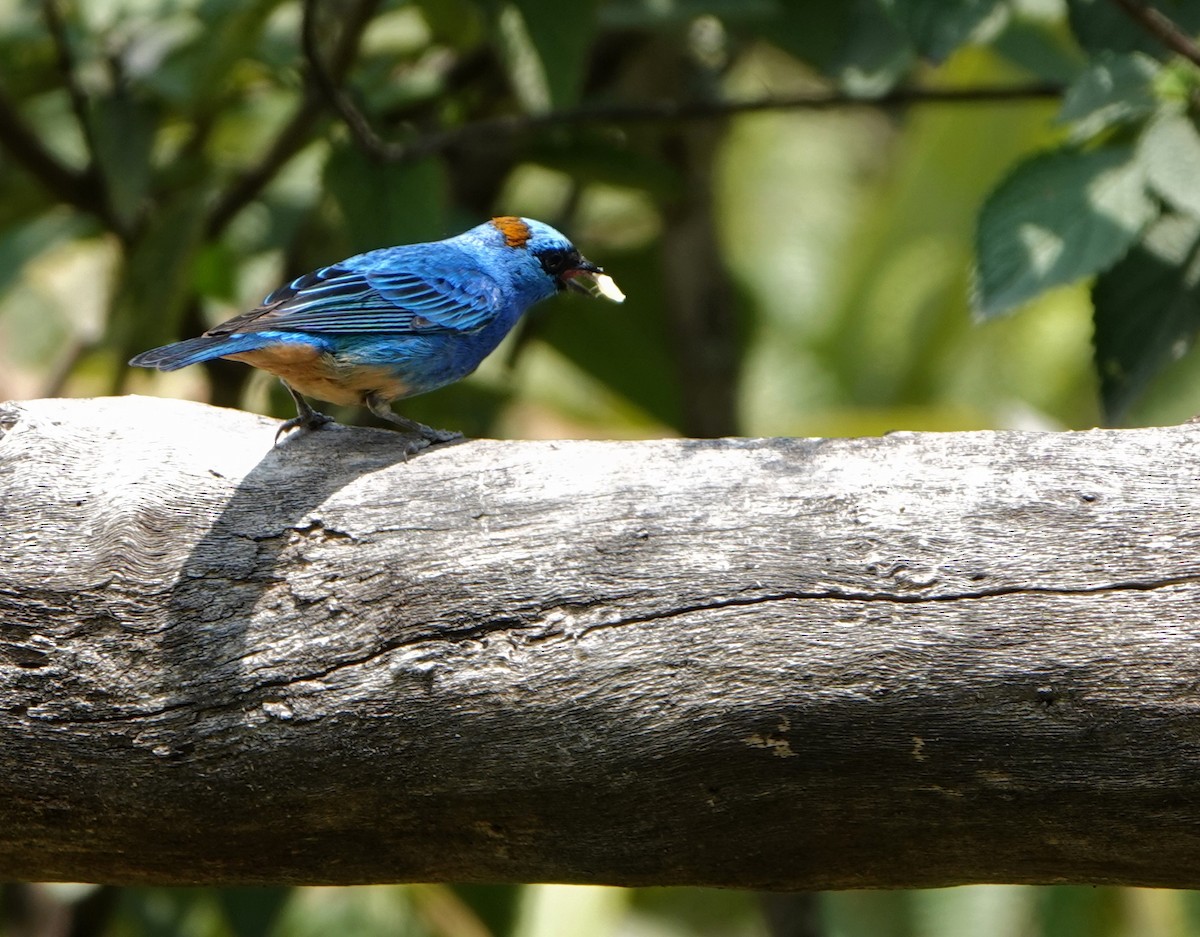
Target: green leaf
<point>1040,47</point>
<point>1147,311</point>
<point>21,241</point>
<point>157,277</point>
<point>1056,218</point>
<point>858,43</point>
<point>689,910</point>
<point>877,53</point>
<point>158,912</point>
<point>588,157</point>
<point>455,23</point>
<point>816,33</point>
<point>386,203</point>
<point>1115,89</point>
<point>1188,904</point>
<point>1178,83</point>
<point>251,912</point>
<point>522,65</point>
<point>205,46</point>
<point>652,14</point>
<point>1102,26</point>
<point>1170,152</point>
<point>938,27</point>
<point>214,272</point>
<point>872,913</point>
<point>496,905</point>
<point>124,129</point>
<point>626,347</point>
<point>562,38</point>
<point>1080,911</point>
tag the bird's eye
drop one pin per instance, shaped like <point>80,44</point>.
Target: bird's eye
<point>558,260</point>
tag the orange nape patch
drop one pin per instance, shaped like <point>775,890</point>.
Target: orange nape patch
<point>516,232</point>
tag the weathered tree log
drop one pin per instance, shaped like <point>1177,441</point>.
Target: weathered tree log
<point>915,660</point>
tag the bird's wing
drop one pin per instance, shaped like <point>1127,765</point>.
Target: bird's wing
<point>339,300</point>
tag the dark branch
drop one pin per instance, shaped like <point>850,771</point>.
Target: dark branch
<point>668,112</point>
<point>56,26</point>
<point>298,131</point>
<point>1163,28</point>
<point>245,188</point>
<point>329,88</point>
<point>21,143</point>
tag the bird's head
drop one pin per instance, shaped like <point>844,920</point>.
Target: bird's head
<point>555,256</point>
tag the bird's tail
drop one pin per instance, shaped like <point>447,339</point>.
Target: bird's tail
<point>194,350</point>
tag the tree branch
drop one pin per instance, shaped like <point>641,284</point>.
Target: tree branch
<point>666,111</point>
<point>297,132</point>
<point>56,26</point>
<point>923,659</point>
<point>1162,28</point>
<point>69,186</point>
<point>329,88</point>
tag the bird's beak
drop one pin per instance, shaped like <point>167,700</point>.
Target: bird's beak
<point>592,280</point>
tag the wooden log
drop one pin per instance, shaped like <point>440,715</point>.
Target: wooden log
<point>915,660</point>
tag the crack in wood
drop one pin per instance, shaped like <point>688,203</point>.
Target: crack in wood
<point>894,598</point>
<point>528,628</point>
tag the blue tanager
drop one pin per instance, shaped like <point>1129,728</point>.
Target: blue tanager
<point>395,322</point>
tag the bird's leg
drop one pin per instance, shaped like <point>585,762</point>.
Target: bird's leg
<point>306,417</point>
<point>380,408</point>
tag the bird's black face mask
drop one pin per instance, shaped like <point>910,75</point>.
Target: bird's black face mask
<point>571,269</point>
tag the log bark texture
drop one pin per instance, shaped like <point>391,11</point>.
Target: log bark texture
<point>921,659</point>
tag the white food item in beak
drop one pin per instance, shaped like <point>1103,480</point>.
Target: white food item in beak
<point>605,286</point>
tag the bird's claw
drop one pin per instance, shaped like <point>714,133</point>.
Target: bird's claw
<point>306,423</point>
<point>428,435</point>
<point>435,436</point>
<point>306,419</point>
<point>420,437</point>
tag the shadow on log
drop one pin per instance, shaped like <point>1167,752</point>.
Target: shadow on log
<point>922,659</point>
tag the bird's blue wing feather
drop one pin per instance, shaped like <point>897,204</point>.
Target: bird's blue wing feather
<point>381,293</point>
<point>460,300</point>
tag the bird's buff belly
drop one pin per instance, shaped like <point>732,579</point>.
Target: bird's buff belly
<point>314,373</point>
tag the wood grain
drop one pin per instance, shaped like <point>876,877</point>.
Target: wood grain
<point>921,659</point>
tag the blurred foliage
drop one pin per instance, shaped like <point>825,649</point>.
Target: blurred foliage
<point>586,911</point>
<point>800,270</point>
<point>808,269</point>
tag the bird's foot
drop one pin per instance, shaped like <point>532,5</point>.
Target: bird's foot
<point>305,422</point>
<point>435,436</point>
<point>306,419</point>
<point>415,440</point>
<point>429,435</point>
